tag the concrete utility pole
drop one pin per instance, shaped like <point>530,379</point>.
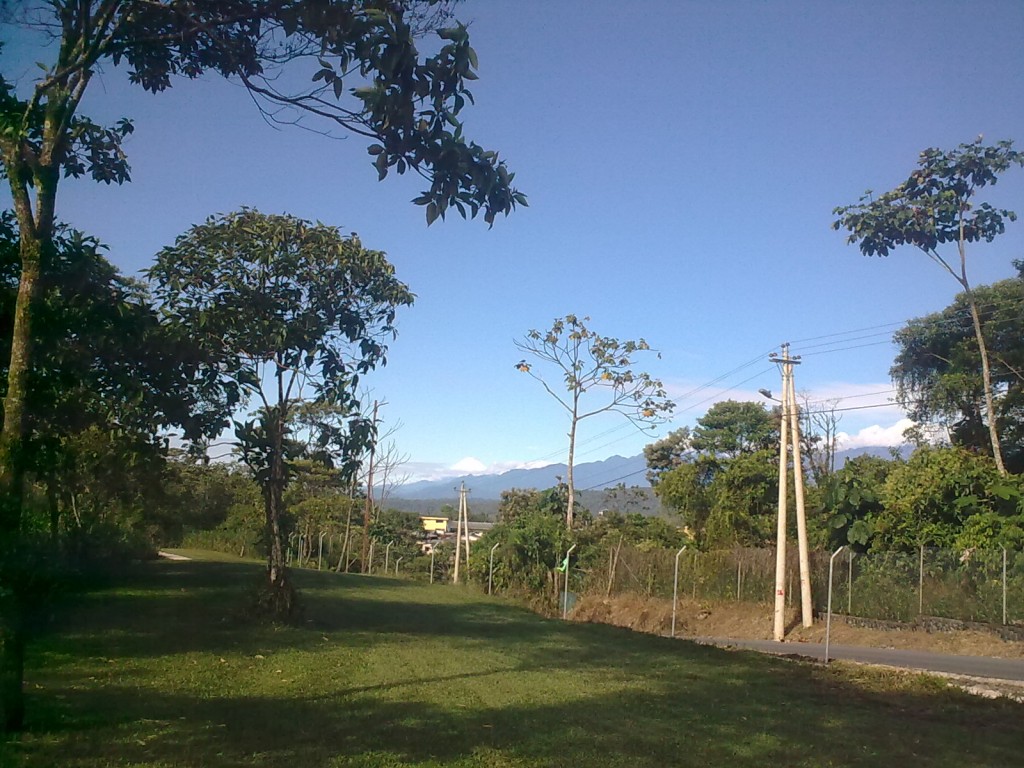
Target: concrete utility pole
<point>465,523</point>
<point>461,529</point>
<point>779,626</point>
<point>790,420</point>
<point>801,517</point>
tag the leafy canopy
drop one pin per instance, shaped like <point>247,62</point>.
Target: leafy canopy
<point>936,370</point>
<point>586,361</point>
<point>283,301</point>
<point>731,428</point>
<point>327,64</point>
<point>934,205</point>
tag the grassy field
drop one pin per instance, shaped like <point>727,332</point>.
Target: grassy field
<point>165,672</point>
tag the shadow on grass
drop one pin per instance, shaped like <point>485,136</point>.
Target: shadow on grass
<point>185,607</point>
<point>626,700</point>
<point>676,722</point>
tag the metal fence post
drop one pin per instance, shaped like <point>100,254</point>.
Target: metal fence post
<point>695,554</point>
<point>432,563</point>
<point>1004,586</point>
<point>396,564</point>
<point>565,600</point>
<point>920,584</point>
<point>849,585</point>
<point>828,619</point>
<point>320,555</point>
<point>490,568</point>
<point>739,578</point>
<point>387,557</point>
<point>675,591</point>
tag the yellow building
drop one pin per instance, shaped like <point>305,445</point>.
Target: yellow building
<point>434,524</point>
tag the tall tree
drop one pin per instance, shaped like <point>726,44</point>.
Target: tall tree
<point>590,363</point>
<point>363,74</point>
<point>933,207</point>
<point>668,453</point>
<point>731,428</point>
<point>937,376</point>
<point>929,498</point>
<point>720,476</point>
<point>104,359</point>
<point>300,312</point>
<point>108,377</point>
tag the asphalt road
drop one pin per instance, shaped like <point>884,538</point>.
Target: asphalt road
<point>970,666</point>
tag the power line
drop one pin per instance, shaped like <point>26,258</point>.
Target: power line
<point>888,404</point>
<point>934,319</point>
<point>965,311</point>
<point>839,343</point>
<point>692,405</point>
<point>846,349</point>
<point>624,425</point>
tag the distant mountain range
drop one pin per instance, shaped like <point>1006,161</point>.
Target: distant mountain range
<point>596,475</point>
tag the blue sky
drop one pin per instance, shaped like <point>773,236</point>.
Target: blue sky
<point>682,160</point>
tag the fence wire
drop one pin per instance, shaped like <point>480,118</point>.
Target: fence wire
<point>974,585</point>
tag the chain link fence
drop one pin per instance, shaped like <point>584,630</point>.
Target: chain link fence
<point>974,585</point>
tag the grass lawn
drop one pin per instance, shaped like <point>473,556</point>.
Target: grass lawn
<point>162,671</point>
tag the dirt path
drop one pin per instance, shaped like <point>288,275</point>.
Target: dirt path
<point>172,556</point>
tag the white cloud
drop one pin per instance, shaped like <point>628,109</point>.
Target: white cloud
<point>506,466</point>
<point>423,470</point>
<point>875,435</point>
<point>468,466</point>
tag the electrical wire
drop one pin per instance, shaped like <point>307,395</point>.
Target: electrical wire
<point>840,342</point>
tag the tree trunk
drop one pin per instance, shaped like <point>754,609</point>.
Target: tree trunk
<point>986,378</point>
<point>569,481</point>
<point>275,554</point>
<point>986,374</point>
<point>368,508</point>
<point>12,476</point>
<point>12,464</point>
<point>280,596</point>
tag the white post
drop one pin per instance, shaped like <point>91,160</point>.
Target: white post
<point>779,628</point>
<point>320,555</point>
<point>432,549</point>
<point>465,526</point>
<point>675,591</point>
<point>801,518</point>
<point>920,584</point>
<point>1004,586</point>
<point>458,534</point>
<point>828,619</point>
<point>565,599</point>
<point>739,578</point>
<point>396,564</point>
<point>490,568</point>
<point>387,557</point>
<point>849,585</point>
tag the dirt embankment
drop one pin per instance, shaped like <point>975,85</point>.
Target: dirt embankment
<point>754,622</point>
